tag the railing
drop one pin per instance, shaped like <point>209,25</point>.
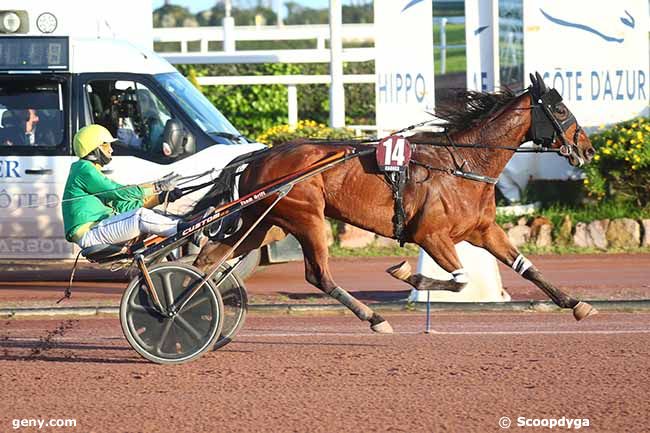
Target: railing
<point>351,33</point>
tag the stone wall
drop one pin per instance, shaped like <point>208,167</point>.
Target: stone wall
<point>622,233</point>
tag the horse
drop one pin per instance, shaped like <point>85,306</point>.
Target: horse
<point>440,208</point>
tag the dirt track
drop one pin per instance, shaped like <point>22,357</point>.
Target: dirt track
<point>330,374</point>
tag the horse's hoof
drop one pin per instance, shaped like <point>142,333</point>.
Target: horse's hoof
<point>401,271</point>
<point>582,310</point>
<point>382,328</point>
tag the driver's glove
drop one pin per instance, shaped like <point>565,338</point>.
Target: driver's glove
<point>170,196</point>
<point>166,183</point>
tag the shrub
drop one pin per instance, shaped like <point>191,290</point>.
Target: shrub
<point>304,129</point>
<point>620,169</point>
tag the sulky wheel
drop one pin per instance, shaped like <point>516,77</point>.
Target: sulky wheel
<point>168,338</point>
<point>235,303</point>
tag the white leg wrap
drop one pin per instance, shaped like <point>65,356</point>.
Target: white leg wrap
<point>460,276</point>
<point>521,264</point>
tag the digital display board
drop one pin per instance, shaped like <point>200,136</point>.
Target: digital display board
<point>34,53</point>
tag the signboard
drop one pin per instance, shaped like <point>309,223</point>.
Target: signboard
<point>404,86</point>
<point>596,57</point>
<point>481,36</point>
<point>33,53</point>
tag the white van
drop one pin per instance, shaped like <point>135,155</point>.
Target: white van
<point>50,86</point>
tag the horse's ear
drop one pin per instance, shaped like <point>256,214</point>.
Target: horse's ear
<point>534,83</point>
<point>542,85</point>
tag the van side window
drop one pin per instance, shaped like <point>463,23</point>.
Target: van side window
<point>31,113</point>
<point>133,114</point>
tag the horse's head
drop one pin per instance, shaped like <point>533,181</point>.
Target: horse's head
<point>554,126</point>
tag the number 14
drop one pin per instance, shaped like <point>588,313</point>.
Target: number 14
<point>394,152</point>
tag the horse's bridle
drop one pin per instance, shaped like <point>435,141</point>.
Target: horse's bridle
<point>546,127</point>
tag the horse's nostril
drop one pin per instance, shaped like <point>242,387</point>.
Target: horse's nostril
<point>590,152</point>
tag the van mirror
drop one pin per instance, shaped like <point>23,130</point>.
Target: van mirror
<point>177,140</point>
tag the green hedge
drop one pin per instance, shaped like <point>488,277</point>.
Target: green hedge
<point>254,109</point>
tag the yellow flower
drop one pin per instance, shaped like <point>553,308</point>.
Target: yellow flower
<point>634,125</point>
<point>586,181</point>
<point>639,135</point>
<point>601,126</point>
<point>634,167</point>
<point>596,158</point>
<point>606,151</point>
<point>609,142</point>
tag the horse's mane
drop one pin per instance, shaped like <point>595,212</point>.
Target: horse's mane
<point>467,108</point>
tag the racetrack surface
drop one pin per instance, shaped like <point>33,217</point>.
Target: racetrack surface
<point>331,374</point>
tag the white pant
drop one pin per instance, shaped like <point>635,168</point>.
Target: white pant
<point>128,225</point>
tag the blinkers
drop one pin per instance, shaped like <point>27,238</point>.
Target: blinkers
<point>550,117</point>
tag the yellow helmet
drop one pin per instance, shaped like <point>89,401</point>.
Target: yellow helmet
<point>90,138</point>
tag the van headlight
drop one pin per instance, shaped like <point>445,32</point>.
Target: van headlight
<point>10,22</point>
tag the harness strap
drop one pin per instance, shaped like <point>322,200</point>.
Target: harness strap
<point>397,181</point>
<point>460,173</point>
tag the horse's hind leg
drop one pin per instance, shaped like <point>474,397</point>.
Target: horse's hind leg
<point>308,226</point>
<point>443,251</point>
<point>317,272</point>
<point>497,243</point>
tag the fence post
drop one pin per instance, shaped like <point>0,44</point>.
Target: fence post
<point>228,34</point>
<point>443,45</point>
<point>204,45</point>
<point>337,93</point>
<point>292,103</point>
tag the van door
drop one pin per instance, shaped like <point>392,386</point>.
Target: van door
<point>34,163</point>
<point>136,116</point>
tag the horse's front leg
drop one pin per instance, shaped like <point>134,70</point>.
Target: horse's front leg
<point>441,248</point>
<point>495,240</point>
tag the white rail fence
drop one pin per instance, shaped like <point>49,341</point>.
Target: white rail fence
<point>351,33</point>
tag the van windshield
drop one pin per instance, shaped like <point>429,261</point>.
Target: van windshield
<point>197,106</point>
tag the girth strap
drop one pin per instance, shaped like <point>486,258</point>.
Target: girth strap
<point>397,181</point>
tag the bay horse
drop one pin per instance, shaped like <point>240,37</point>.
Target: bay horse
<point>440,209</point>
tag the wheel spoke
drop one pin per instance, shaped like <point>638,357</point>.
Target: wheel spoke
<point>141,309</point>
<point>163,335</point>
<point>191,330</point>
<point>167,288</point>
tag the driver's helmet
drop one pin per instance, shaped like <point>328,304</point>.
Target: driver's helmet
<point>89,138</point>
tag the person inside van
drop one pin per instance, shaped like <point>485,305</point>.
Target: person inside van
<point>97,210</point>
<point>19,127</point>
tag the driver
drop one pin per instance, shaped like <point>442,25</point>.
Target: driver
<point>97,210</point>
